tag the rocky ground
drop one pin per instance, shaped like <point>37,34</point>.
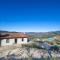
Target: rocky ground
<point>18,52</point>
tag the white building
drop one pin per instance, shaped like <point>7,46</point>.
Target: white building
<point>13,38</point>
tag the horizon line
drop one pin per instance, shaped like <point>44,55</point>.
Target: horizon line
<point>30,31</point>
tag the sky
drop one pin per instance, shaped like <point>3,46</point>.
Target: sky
<point>30,15</point>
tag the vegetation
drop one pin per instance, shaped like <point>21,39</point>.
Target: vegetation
<point>33,45</point>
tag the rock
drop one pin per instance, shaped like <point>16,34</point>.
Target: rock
<point>18,53</point>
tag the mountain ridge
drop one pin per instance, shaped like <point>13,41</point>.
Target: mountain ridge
<point>37,34</point>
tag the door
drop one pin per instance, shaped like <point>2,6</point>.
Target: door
<point>15,40</point>
<point>0,42</point>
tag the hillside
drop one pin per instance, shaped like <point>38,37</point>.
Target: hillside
<point>43,34</point>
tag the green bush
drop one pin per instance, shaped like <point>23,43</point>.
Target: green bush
<point>31,46</point>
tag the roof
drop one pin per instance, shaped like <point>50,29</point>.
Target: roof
<point>12,35</point>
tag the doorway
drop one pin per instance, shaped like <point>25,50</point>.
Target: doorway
<point>0,42</point>
<point>15,40</point>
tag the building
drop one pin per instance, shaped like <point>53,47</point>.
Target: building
<point>11,38</point>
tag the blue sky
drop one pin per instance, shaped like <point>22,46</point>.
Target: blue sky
<point>30,15</point>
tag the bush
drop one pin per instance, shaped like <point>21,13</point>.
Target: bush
<point>31,46</point>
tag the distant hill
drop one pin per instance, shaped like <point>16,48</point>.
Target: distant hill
<point>43,34</point>
<point>1,31</point>
<point>39,34</point>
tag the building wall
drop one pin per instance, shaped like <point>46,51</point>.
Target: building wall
<point>19,40</point>
<point>11,42</point>
<point>25,40</point>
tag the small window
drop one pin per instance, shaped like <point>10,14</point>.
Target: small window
<point>28,40</point>
<point>7,40</point>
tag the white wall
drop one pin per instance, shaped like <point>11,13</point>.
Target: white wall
<point>25,40</point>
<point>11,42</point>
<point>19,40</point>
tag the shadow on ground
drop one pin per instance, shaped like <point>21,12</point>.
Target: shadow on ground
<point>29,59</point>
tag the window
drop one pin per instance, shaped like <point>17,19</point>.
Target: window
<point>27,40</point>
<point>22,39</point>
<point>7,40</point>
